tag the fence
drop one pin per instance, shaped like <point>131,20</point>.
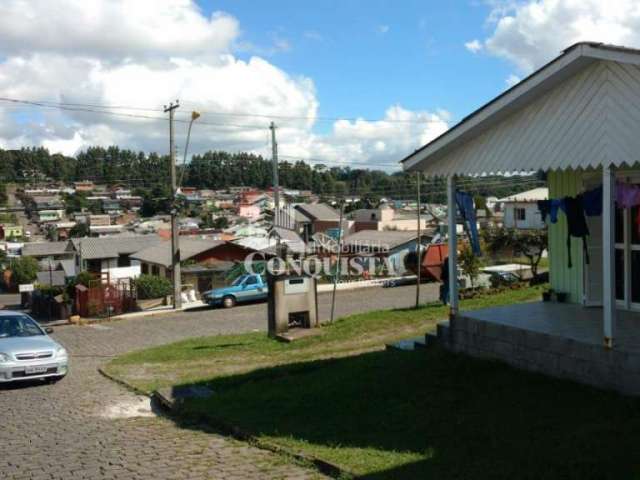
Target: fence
<point>101,299</point>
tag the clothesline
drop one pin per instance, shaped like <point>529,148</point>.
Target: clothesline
<point>586,204</point>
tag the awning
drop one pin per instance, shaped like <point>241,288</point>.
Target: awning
<point>578,111</point>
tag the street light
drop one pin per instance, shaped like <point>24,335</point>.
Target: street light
<point>194,116</point>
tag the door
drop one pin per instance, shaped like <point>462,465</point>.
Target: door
<point>634,258</point>
<point>627,258</point>
<point>593,271</point>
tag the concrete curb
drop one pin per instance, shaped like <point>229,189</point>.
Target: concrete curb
<point>141,314</point>
<point>220,426</point>
<point>226,428</point>
<point>122,383</point>
<point>323,288</point>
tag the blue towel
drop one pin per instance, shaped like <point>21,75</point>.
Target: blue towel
<point>468,211</point>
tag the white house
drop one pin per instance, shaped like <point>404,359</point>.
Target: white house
<point>521,210</point>
<point>576,120</point>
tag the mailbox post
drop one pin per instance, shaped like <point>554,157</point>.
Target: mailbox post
<point>293,302</point>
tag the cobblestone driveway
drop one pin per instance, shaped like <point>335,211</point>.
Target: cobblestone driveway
<point>88,427</point>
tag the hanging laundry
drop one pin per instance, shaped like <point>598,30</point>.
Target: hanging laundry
<point>592,202</point>
<point>550,208</point>
<point>627,195</point>
<point>468,211</point>
<point>576,224</point>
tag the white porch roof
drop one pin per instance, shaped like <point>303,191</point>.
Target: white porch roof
<point>580,110</point>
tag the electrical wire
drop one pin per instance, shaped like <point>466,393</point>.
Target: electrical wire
<point>104,108</point>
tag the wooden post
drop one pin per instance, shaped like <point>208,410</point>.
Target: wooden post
<point>419,246</point>
<point>452,210</point>
<point>608,255</point>
<point>336,275</point>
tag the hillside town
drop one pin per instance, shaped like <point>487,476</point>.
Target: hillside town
<point>319,240</point>
<point>97,229</point>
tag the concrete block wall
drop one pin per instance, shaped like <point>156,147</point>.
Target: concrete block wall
<point>552,355</point>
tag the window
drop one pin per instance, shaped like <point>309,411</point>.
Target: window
<point>124,260</point>
<point>520,213</point>
<point>144,268</point>
<point>155,270</point>
<point>251,281</point>
<point>94,265</point>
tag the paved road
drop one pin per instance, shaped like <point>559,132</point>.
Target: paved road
<point>88,427</point>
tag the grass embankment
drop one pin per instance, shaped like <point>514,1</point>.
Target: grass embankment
<point>401,415</point>
<point>202,359</point>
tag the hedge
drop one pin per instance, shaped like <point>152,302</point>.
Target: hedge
<point>151,286</point>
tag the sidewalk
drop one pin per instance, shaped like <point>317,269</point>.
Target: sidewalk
<point>378,282</point>
<point>145,313</point>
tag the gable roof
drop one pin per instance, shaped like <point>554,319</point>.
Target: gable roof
<point>290,238</point>
<point>533,195</point>
<point>112,247</point>
<point>318,211</point>
<point>45,249</point>
<point>160,254</point>
<point>380,240</point>
<point>435,157</point>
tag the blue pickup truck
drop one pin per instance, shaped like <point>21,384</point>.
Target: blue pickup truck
<point>245,288</point>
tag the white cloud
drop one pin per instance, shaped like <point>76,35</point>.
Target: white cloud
<point>400,132</point>
<point>530,34</point>
<point>144,53</point>
<point>115,29</point>
<point>382,29</point>
<point>512,80</point>
<point>474,46</point>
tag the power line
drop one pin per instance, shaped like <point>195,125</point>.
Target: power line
<point>119,114</point>
<point>316,118</point>
<point>102,107</point>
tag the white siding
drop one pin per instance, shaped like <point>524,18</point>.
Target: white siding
<point>532,217</point>
<point>587,120</point>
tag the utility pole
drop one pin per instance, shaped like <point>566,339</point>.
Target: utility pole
<point>419,245</point>
<point>276,183</point>
<point>339,259</point>
<point>175,242</point>
<point>50,288</point>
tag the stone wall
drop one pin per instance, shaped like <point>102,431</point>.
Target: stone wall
<point>548,354</point>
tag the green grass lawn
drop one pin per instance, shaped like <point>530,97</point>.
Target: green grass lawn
<point>202,359</point>
<point>433,414</point>
<point>399,415</point>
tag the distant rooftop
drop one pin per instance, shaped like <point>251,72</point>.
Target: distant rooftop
<point>112,247</point>
<point>534,195</point>
<point>45,249</point>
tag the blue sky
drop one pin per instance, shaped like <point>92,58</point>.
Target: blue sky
<point>414,66</point>
<point>366,55</point>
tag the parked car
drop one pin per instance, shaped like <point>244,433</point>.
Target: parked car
<point>398,282</point>
<point>499,279</point>
<point>245,288</point>
<point>27,352</point>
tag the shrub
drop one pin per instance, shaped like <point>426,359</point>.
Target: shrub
<point>150,286</point>
<point>24,270</point>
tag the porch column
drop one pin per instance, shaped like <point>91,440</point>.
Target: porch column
<point>452,210</point>
<point>608,254</point>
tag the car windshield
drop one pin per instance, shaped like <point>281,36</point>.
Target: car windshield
<point>238,281</point>
<point>18,326</point>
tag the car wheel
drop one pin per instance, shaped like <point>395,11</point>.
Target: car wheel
<point>228,302</point>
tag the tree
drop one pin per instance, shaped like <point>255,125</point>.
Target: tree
<point>469,264</point>
<point>221,223</point>
<point>23,270</point>
<point>530,243</point>
<point>79,230</point>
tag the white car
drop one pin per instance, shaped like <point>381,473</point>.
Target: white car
<point>27,352</point>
